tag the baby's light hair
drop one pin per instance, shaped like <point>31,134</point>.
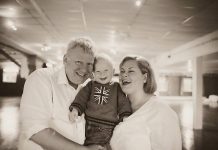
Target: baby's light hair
<point>103,56</point>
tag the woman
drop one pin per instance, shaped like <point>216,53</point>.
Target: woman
<point>153,125</point>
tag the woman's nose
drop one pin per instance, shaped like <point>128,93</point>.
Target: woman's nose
<point>124,74</point>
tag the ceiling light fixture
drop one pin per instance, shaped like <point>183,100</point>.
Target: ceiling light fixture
<point>166,34</point>
<point>45,47</point>
<point>188,19</point>
<point>113,32</point>
<point>11,9</point>
<point>189,7</point>
<point>12,25</point>
<point>138,3</point>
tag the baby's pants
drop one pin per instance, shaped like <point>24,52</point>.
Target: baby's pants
<point>97,133</point>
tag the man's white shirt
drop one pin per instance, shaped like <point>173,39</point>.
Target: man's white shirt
<point>45,104</point>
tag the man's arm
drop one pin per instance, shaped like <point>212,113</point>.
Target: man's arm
<point>49,139</point>
<point>36,113</point>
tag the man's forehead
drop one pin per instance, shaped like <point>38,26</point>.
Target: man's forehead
<point>81,57</point>
<point>80,50</point>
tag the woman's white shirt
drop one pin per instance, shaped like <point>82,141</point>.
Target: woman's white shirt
<point>154,126</point>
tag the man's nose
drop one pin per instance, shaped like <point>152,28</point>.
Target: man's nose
<point>84,68</point>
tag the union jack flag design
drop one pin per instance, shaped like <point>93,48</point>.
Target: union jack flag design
<point>101,95</point>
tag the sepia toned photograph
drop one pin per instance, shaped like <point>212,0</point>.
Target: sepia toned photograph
<point>108,74</point>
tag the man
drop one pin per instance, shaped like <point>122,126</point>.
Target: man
<point>46,98</point>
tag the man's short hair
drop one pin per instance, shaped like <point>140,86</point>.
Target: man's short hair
<point>85,43</point>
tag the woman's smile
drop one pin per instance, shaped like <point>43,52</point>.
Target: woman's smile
<point>125,82</point>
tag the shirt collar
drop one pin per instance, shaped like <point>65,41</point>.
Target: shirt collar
<point>62,77</point>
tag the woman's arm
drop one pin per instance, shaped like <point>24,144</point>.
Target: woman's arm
<point>49,139</point>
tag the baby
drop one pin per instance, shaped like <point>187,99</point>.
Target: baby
<point>103,103</point>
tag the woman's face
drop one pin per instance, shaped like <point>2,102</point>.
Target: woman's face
<point>131,77</point>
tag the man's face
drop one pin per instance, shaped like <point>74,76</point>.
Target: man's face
<point>78,65</point>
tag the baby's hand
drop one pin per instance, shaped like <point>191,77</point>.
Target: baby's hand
<point>73,115</point>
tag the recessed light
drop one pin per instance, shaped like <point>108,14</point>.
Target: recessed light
<point>189,7</point>
<point>11,25</point>
<point>14,28</point>
<point>138,3</point>
<point>45,47</point>
<point>11,9</point>
<point>188,19</point>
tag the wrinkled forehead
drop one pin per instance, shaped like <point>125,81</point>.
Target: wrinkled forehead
<point>80,49</point>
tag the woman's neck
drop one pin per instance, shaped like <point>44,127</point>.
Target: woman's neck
<point>138,99</point>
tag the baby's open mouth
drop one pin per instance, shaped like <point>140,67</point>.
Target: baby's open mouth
<point>103,78</point>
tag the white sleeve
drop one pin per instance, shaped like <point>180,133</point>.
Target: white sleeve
<point>166,134</point>
<point>131,136</point>
<point>35,107</point>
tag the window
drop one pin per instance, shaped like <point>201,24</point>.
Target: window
<point>187,84</point>
<point>163,84</point>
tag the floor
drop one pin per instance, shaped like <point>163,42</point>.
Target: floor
<point>206,139</point>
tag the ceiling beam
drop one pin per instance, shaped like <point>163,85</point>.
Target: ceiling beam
<point>9,57</point>
<point>200,47</point>
<point>13,48</point>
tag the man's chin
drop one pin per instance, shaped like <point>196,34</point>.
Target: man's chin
<point>78,80</point>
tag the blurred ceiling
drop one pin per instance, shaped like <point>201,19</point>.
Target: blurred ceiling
<point>118,27</point>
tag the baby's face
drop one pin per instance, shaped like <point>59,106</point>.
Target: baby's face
<point>103,71</point>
